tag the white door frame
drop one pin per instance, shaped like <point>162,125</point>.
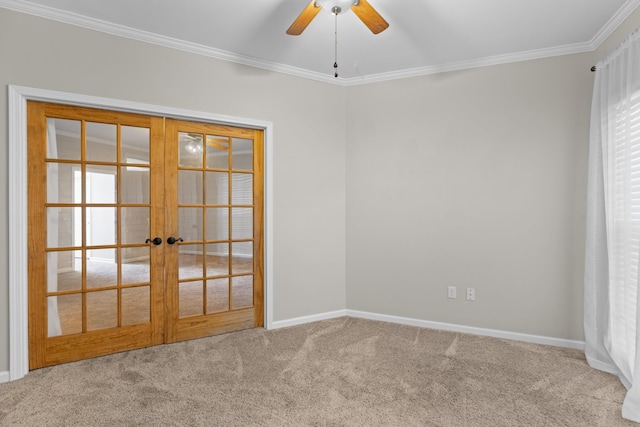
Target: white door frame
<point>18,203</point>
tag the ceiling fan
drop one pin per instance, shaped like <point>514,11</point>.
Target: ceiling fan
<point>363,10</point>
<point>194,142</point>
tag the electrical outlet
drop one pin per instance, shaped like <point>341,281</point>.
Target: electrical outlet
<point>451,292</point>
<point>471,294</point>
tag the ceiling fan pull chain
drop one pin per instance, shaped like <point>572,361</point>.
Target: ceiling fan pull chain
<point>335,64</point>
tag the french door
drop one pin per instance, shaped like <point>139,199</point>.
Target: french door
<point>142,230</point>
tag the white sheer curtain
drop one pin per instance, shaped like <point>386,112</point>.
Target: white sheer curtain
<point>613,222</point>
<point>52,231</point>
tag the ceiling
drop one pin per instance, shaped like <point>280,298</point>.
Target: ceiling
<point>424,36</point>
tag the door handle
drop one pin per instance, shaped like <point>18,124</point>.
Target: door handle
<point>155,241</point>
<point>171,240</point>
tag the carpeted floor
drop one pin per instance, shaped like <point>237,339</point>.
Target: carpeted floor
<point>340,372</point>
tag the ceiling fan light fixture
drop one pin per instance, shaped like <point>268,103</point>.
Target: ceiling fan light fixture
<point>336,7</point>
<point>194,147</point>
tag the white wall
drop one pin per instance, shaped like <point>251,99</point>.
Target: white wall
<point>472,179</point>
<point>309,157</point>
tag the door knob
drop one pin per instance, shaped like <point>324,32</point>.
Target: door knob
<point>171,240</point>
<point>155,241</point>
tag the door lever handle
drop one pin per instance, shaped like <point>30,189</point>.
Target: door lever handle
<point>171,240</point>
<point>155,241</point>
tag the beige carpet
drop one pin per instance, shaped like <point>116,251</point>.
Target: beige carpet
<point>340,372</point>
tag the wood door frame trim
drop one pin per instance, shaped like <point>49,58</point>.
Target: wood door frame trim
<point>18,257</point>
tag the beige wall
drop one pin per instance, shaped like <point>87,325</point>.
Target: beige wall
<point>474,178</point>
<point>471,179</point>
<point>309,156</point>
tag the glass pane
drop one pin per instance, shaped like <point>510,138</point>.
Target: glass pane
<point>102,310</point>
<point>242,154</point>
<point>190,223</point>
<point>217,223</point>
<point>101,142</point>
<point>217,259</point>
<point>241,292</point>
<point>136,305</point>
<point>190,149</point>
<point>190,262</point>
<point>217,295</point>
<point>217,152</point>
<point>217,188</point>
<point>101,184</point>
<point>242,259</point>
<point>190,299</point>
<point>135,185</point>
<point>102,269</point>
<point>63,139</point>
<point>135,144</point>
<point>135,225</point>
<point>65,315</point>
<point>242,223</point>
<point>61,183</point>
<point>189,187</point>
<point>242,189</point>
<point>60,227</point>
<point>135,265</point>
<point>101,226</point>
<point>64,271</point>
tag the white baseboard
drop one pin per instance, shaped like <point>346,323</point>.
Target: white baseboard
<point>536,339</point>
<point>515,336</point>
<point>307,319</point>
<point>4,377</point>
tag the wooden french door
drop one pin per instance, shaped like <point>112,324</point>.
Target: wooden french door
<point>142,230</point>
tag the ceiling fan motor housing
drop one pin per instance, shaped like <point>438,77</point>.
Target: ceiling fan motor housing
<point>336,7</point>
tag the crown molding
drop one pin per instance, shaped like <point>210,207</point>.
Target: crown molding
<point>473,63</point>
<point>199,49</point>
<point>613,23</point>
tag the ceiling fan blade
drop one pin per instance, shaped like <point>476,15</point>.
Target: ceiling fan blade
<point>304,19</point>
<point>370,17</point>
<point>217,142</point>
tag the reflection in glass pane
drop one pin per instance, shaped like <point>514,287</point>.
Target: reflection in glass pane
<point>60,226</point>
<point>65,314</point>
<point>135,265</point>
<point>190,299</point>
<point>242,259</point>
<point>189,187</point>
<point>64,271</point>
<point>190,150</point>
<point>63,139</point>
<point>101,184</point>
<point>241,292</point>
<point>135,185</point>
<point>101,226</point>
<point>217,261</point>
<point>242,223</point>
<point>61,182</point>
<point>190,262</point>
<point>135,144</point>
<point>135,225</point>
<point>136,305</point>
<point>102,310</point>
<point>190,223</point>
<point>217,188</point>
<point>217,295</point>
<point>101,142</point>
<point>217,223</point>
<point>217,152</point>
<point>242,189</point>
<point>102,269</point>
<point>242,158</point>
